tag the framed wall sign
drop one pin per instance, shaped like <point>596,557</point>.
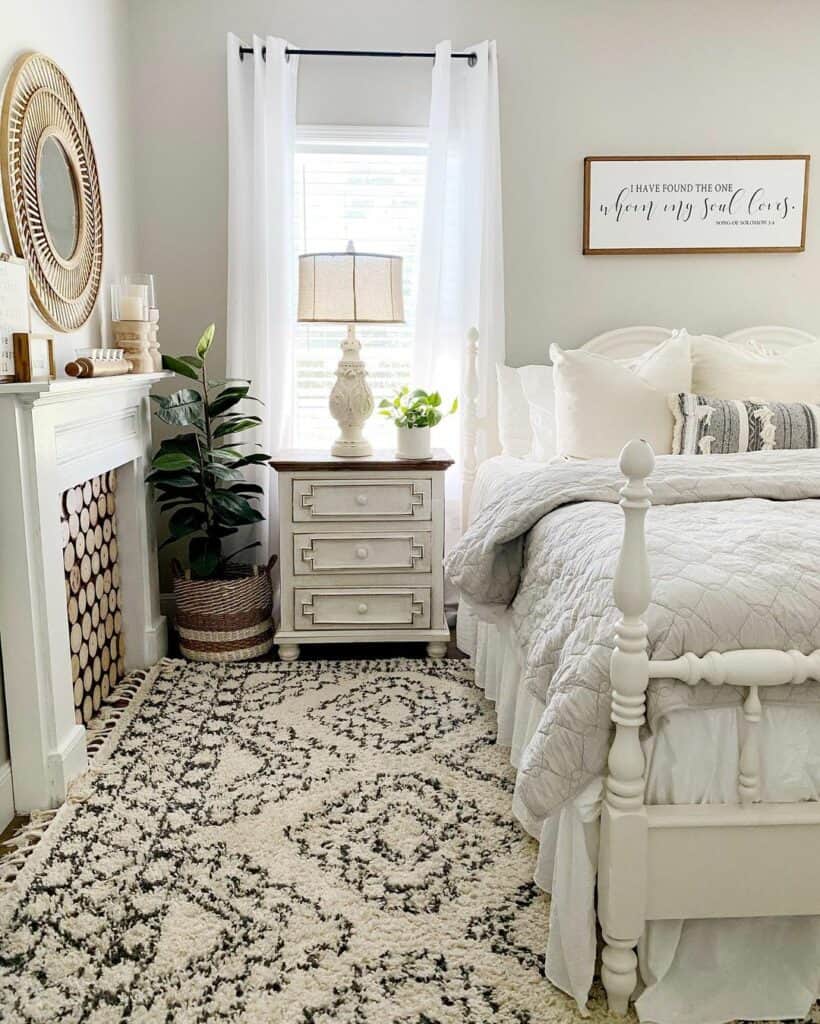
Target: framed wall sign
<point>14,312</point>
<point>677,204</point>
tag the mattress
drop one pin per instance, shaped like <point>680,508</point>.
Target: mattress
<point>765,968</point>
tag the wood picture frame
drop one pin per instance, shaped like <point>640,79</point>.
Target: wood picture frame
<point>34,357</point>
<point>14,313</point>
<point>647,205</point>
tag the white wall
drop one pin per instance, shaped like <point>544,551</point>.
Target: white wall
<point>598,77</point>
<point>89,40</point>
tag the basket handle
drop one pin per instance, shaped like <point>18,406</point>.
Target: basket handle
<point>176,569</point>
<point>271,563</point>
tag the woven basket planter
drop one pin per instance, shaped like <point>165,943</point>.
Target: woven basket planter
<point>226,619</point>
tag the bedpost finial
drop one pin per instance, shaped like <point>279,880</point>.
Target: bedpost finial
<point>637,459</point>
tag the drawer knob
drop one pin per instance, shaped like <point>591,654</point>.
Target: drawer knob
<point>361,499</point>
<point>361,552</point>
<point>362,608</point>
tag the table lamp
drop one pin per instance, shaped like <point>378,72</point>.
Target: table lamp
<point>350,288</point>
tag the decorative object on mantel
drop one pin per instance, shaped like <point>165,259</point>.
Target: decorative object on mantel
<point>135,321</point>
<point>52,190</point>
<point>350,288</point>
<point>14,315</point>
<point>414,413</point>
<point>223,611</point>
<point>690,204</point>
<point>98,362</point>
<point>34,357</point>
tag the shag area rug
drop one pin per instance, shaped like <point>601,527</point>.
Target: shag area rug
<point>269,843</point>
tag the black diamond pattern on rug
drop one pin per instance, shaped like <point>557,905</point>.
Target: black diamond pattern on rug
<point>405,842</point>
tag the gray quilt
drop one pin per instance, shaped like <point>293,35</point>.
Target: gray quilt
<point>734,549</point>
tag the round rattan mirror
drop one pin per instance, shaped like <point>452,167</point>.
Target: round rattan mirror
<point>51,190</point>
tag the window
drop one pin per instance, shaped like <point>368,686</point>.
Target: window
<point>364,185</point>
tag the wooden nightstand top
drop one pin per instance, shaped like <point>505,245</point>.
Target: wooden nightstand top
<point>296,460</point>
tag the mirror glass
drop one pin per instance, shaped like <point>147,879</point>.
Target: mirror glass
<point>58,197</point>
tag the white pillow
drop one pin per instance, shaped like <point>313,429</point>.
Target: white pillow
<point>516,388</point>
<point>725,370</point>
<point>600,403</point>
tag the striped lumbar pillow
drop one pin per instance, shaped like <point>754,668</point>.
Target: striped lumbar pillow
<point>717,426</point>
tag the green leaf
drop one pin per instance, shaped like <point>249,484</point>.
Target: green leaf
<point>227,399</point>
<point>247,547</point>
<point>220,472</point>
<point>178,366</point>
<point>173,460</point>
<point>163,479</point>
<point>246,488</point>
<point>236,425</point>
<point>204,554</point>
<point>187,443</point>
<point>255,459</point>
<point>205,342</point>
<point>185,521</point>
<point>234,510</point>
<point>182,409</point>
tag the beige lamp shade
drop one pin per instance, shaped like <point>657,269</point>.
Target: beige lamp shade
<point>350,288</point>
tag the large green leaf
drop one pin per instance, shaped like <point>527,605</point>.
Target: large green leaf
<point>237,424</point>
<point>246,488</point>
<point>205,342</point>
<point>255,459</point>
<point>173,460</point>
<point>204,556</point>
<point>178,366</point>
<point>186,520</point>
<point>161,479</point>
<point>234,510</point>
<point>182,409</point>
<point>227,399</point>
<point>220,472</point>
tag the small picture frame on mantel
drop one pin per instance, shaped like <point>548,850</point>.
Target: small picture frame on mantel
<point>34,357</point>
<point>15,323</point>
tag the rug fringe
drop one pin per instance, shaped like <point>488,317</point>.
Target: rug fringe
<point>32,840</point>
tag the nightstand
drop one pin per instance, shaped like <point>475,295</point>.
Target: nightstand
<point>361,550</point>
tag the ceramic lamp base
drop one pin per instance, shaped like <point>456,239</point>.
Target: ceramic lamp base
<point>351,401</point>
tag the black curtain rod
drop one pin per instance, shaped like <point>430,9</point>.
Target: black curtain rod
<point>469,57</point>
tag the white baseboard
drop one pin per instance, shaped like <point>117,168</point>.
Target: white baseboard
<point>6,795</point>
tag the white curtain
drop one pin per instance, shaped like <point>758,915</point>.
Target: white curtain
<point>461,272</point>
<point>261,262</point>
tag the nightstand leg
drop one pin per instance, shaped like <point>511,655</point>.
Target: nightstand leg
<point>288,652</point>
<point>436,649</point>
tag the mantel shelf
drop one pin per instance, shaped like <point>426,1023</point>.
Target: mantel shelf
<point>66,388</point>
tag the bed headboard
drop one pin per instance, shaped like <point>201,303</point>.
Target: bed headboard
<point>479,435</point>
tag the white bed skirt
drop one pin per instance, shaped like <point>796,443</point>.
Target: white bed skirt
<point>693,972</point>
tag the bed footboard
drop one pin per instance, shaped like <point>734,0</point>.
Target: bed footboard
<point>675,862</point>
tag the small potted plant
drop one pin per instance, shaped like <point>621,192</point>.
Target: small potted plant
<point>414,413</point>
<point>223,610</point>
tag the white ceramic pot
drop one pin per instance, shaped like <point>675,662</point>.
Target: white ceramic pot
<point>413,443</point>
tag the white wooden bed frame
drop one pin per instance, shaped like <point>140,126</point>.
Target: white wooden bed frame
<point>673,862</point>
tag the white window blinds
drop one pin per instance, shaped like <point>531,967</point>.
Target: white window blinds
<point>364,185</point>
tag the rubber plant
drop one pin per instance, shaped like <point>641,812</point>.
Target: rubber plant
<point>199,474</point>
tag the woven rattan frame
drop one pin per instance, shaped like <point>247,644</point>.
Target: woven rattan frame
<point>39,103</point>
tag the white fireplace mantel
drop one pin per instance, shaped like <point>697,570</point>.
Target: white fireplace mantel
<point>54,436</point>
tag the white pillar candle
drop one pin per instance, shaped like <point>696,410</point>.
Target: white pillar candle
<point>132,308</point>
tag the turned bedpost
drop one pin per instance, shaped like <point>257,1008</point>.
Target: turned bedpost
<point>622,868</point>
<point>469,420</point>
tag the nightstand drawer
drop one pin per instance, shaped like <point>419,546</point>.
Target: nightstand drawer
<point>360,608</point>
<point>374,551</point>
<point>361,499</point>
